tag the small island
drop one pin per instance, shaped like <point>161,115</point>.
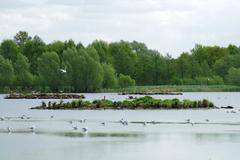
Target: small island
<point>146,103</point>
<point>150,93</point>
<point>44,96</point>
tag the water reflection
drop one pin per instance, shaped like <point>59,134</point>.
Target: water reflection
<point>217,137</point>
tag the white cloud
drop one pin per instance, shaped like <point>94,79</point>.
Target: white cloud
<point>171,26</point>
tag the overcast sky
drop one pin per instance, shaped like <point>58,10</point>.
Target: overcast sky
<point>170,26</point>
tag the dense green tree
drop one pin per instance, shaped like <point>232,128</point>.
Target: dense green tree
<point>85,74</point>
<point>109,76</point>
<point>6,72</point>
<point>184,65</point>
<point>124,60</point>
<point>21,38</point>
<point>102,50</point>
<point>33,49</point>
<point>125,81</point>
<point>23,77</point>
<point>9,50</point>
<point>233,50</point>
<point>49,70</point>
<point>209,54</point>
<point>233,76</point>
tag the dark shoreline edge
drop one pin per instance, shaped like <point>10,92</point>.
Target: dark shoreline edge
<point>44,96</point>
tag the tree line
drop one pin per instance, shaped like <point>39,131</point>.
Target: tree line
<point>28,63</point>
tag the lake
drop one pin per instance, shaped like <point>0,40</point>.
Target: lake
<point>214,135</point>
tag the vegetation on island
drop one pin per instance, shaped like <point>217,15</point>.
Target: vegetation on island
<point>146,102</point>
<point>28,63</point>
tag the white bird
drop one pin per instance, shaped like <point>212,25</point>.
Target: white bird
<point>85,129</point>
<point>9,129</point>
<point>75,128</point>
<point>32,128</point>
<point>63,70</point>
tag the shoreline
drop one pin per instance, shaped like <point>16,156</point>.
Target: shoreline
<point>141,89</point>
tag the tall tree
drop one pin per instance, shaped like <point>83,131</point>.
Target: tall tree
<point>49,70</point>
<point>124,60</point>
<point>6,72</point>
<point>109,76</point>
<point>9,50</point>
<point>33,49</point>
<point>21,69</point>
<point>234,76</point>
<point>22,37</point>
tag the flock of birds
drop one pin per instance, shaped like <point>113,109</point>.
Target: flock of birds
<point>33,127</point>
<point>85,129</point>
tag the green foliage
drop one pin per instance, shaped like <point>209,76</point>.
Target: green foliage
<point>125,81</point>
<point>21,69</point>
<point>9,50</point>
<point>234,76</point>
<point>32,64</point>
<point>138,103</point>
<point>49,70</point>
<point>21,38</point>
<point>124,59</point>
<point>109,76</point>
<point>6,72</point>
<point>83,72</point>
<point>33,49</point>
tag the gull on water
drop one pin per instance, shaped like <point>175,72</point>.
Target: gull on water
<point>85,129</point>
<point>32,128</point>
<point>75,128</point>
<point>188,120</point>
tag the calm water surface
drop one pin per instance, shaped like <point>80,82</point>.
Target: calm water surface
<point>54,138</point>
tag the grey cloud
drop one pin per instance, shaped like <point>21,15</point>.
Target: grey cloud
<point>171,26</point>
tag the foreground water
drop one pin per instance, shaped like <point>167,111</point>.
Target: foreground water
<point>173,139</point>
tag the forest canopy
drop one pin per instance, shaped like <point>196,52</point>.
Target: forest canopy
<point>28,63</point>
